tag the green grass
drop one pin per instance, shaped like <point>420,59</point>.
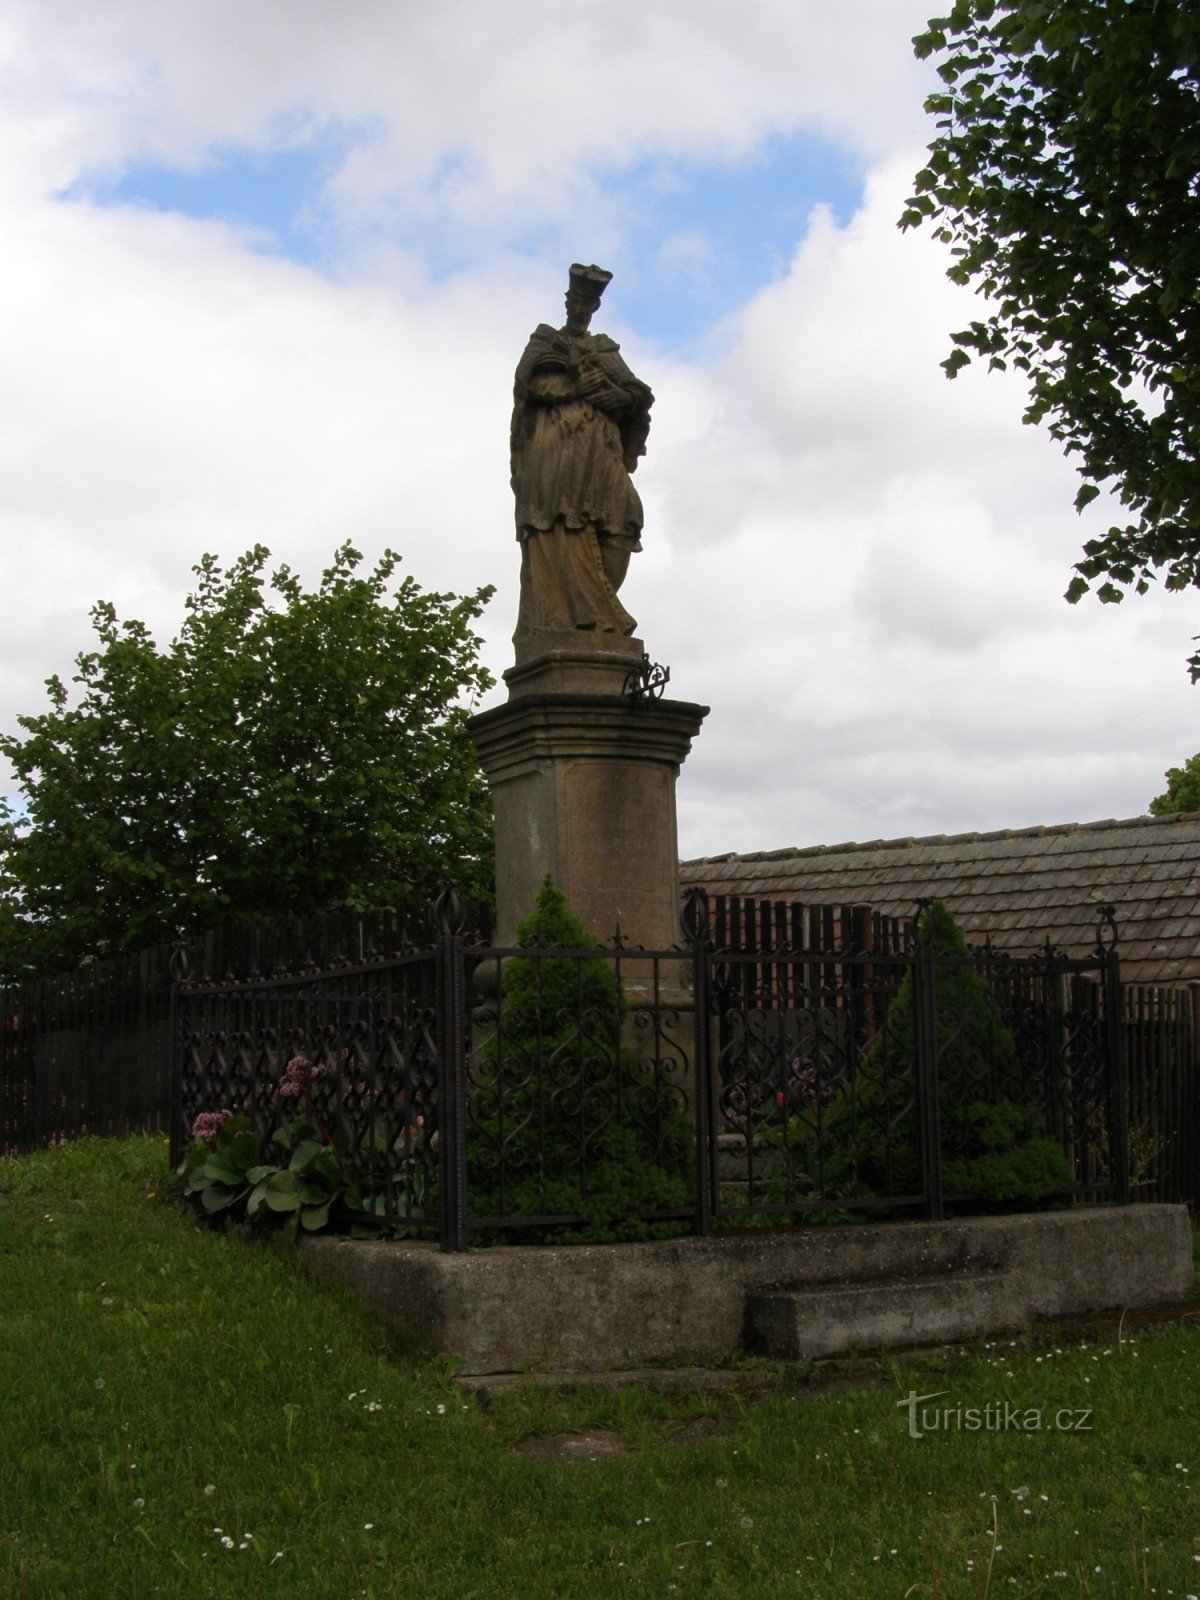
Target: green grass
<point>162,1382</point>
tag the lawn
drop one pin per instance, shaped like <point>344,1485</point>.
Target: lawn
<point>186,1415</point>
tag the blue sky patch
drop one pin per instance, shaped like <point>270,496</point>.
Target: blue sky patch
<point>699,239</point>
<point>275,191</point>
<point>706,239</point>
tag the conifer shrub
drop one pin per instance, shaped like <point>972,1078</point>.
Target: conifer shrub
<point>994,1142</point>
<point>570,1114</point>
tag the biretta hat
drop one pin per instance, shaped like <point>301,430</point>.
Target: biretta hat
<point>591,281</point>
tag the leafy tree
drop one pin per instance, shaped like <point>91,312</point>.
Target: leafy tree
<point>277,757</point>
<point>1065,176</point>
<point>1182,791</point>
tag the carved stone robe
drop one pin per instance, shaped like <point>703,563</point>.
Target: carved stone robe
<point>580,420</point>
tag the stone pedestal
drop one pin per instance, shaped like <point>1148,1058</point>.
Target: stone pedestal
<point>583,785</point>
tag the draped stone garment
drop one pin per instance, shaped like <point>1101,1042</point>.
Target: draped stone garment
<point>580,420</point>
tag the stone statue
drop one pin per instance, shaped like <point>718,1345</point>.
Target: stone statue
<point>579,424</point>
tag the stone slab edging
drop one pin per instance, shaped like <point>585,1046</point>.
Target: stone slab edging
<point>585,1307</point>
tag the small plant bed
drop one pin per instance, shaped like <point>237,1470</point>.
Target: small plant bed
<point>297,1173</point>
<point>187,1415</point>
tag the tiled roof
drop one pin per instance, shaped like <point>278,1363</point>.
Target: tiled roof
<point>1017,886</point>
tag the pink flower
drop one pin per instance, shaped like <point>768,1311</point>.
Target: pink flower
<point>208,1124</point>
<point>297,1076</point>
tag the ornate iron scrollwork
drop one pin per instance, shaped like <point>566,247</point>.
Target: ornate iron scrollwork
<point>646,681</point>
<point>1106,929</point>
<point>180,963</point>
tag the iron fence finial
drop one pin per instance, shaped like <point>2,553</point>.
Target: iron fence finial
<point>448,910</point>
<point>694,917</point>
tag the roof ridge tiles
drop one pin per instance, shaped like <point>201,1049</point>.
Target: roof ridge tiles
<point>1059,829</point>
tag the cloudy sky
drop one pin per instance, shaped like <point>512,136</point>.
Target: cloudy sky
<point>268,267</point>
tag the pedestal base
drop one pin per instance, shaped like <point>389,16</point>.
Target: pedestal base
<point>583,787</point>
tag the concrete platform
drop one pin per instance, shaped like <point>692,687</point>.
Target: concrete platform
<point>582,1308</point>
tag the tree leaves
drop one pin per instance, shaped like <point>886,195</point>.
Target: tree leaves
<point>1066,177</point>
<point>289,751</point>
<point>1182,792</point>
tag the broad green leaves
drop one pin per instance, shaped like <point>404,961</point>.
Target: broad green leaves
<point>289,751</point>
<point>1065,175</point>
<point>230,1175</point>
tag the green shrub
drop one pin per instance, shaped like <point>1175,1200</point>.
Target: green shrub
<point>995,1147</point>
<point>1010,1159</point>
<point>576,1120</point>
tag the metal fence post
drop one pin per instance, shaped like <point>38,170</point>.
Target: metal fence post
<point>452,1086</point>
<point>926,1067</point>
<point>1054,1065</point>
<point>1190,1094</point>
<point>35,1074</point>
<point>1114,1040</point>
<point>695,921</point>
<point>180,968</point>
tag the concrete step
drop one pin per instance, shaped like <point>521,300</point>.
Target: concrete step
<point>802,1322</point>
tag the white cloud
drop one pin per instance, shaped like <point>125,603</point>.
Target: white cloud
<point>857,564</point>
<point>478,105</point>
<point>876,562</point>
<point>168,392</point>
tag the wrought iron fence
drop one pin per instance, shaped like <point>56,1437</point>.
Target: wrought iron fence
<point>477,1092</point>
<point>1160,1027</point>
<point>355,1046</point>
<point>86,1052</point>
<point>1064,1015</point>
<point>90,1051</point>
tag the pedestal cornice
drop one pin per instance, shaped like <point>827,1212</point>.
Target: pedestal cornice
<point>540,727</point>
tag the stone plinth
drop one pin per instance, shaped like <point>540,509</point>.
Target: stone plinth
<point>578,1308</point>
<point>583,786</point>
<point>555,663</point>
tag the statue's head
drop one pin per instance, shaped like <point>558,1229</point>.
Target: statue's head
<point>586,286</point>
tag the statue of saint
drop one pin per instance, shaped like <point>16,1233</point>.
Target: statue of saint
<point>579,424</point>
